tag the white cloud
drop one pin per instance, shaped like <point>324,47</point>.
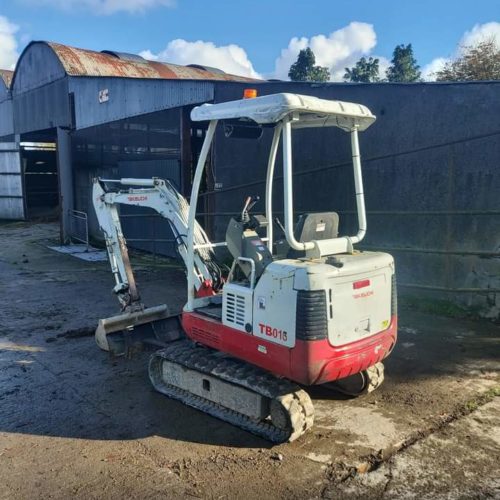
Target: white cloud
<point>383,65</point>
<point>230,58</point>
<point>105,7</point>
<point>8,44</point>
<point>479,33</point>
<point>340,49</point>
<point>433,67</point>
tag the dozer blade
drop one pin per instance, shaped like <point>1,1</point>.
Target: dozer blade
<point>153,325</point>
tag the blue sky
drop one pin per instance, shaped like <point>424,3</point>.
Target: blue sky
<point>249,36</point>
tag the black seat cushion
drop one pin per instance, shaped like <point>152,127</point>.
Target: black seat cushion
<point>318,226</point>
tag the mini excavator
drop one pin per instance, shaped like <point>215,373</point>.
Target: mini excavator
<point>316,312</point>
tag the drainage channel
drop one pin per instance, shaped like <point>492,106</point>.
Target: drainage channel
<point>340,472</point>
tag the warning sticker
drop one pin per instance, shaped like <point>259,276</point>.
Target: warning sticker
<point>320,227</point>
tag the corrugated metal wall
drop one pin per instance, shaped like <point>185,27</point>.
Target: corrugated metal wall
<point>11,182</point>
<point>144,147</point>
<point>6,118</point>
<point>37,67</point>
<point>44,108</point>
<point>131,97</point>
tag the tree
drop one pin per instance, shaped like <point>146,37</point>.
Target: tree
<point>304,69</point>
<point>476,62</point>
<point>404,67</point>
<point>365,71</point>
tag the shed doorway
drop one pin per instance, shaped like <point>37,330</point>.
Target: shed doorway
<point>40,176</point>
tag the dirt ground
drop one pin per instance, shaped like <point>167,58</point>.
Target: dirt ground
<point>76,423</point>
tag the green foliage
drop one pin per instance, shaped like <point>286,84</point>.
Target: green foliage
<point>364,71</point>
<point>404,67</point>
<point>494,392</point>
<point>435,306</point>
<point>481,399</point>
<point>476,62</point>
<point>320,74</point>
<point>471,406</point>
<point>305,70</point>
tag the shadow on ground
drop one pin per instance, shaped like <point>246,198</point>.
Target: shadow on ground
<point>69,388</point>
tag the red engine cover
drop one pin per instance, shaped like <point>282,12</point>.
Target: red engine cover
<point>309,362</point>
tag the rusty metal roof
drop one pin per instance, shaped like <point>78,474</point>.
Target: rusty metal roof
<point>6,76</point>
<point>82,62</point>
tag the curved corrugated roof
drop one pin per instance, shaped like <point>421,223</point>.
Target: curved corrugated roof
<point>82,62</point>
<point>6,76</point>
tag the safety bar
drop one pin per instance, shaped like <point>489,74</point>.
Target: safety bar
<point>192,212</point>
<point>214,245</point>
<point>358,186</point>
<point>269,184</point>
<point>317,248</point>
<point>288,189</point>
<point>252,272</point>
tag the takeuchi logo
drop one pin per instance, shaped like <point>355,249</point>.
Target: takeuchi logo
<point>137,198</point>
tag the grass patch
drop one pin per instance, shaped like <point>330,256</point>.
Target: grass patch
<point>481,399</point>
<point>438,307</point>
<point>471,406</point>
<point>493,392</point>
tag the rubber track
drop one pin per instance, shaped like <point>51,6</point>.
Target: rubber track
<point>294,400</point>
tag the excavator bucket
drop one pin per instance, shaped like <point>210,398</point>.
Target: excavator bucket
<point>132,330</point>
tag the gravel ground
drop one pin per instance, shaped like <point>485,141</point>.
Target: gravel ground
<point>76,423</point>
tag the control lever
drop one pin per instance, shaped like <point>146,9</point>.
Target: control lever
<point>280,224</point>
<point>249,204</point>
<point>253,201</point>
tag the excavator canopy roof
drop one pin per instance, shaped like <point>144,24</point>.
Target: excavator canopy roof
<point>310,111</point>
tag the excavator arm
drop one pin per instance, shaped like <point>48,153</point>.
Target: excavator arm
<point>161,196</point>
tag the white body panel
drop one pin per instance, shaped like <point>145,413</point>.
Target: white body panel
<point>357,314</point>
<point>274,307</point>
<point>352,313</point>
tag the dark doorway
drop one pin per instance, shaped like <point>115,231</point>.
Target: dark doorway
<point>41,185</point>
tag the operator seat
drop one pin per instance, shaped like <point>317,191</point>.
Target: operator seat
<point>317,226</point>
